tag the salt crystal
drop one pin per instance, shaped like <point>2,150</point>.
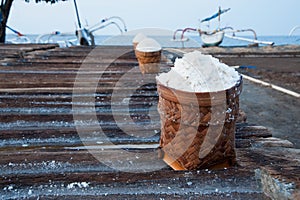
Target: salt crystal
<point>71,185</point>
<point>196,72</point>
<point>84,184</point>
<point>148,45</point>
<point>189,183</point>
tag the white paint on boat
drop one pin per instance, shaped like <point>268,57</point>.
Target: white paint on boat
<point>212,39</point>
<point>249,40</point>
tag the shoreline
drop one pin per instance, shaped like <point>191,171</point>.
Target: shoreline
<point>218,51</point>
<point>165,39</point>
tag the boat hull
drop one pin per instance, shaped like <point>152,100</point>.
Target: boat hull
<point>212,39</point>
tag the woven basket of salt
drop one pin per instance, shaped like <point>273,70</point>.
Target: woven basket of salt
<point>198,128</point>
<point>137,39</point>
<point>148,53</point>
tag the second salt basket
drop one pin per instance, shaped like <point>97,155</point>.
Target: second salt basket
<point>137,39</point>
<point>198,129</point>
<point>148,53</point>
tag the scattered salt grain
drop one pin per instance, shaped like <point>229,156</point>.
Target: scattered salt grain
<point>80,185</point>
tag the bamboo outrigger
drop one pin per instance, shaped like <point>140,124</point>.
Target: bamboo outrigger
<point>215,37</point>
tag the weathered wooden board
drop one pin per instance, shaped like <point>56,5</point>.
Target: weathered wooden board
<point>43,155</point>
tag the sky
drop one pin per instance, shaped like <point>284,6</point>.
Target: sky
<point>266,17</point>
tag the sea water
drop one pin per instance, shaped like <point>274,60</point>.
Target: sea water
<point>165,41</point>
<point>195,41</point>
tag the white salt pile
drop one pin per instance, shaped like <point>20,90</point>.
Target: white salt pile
<point>196,72</point>
<point>148,45</point>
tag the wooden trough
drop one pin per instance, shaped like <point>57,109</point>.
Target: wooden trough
<point>45,154</point>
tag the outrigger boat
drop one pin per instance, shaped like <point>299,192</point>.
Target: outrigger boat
<point>215,37</point>
<point>84,36</point>
<point>20,38</point>
<point>293,30</point>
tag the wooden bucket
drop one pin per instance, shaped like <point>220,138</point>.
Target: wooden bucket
<point>138,38</point>
<point>198,129</point>
<point>149,62</point>
<point>134,45</point>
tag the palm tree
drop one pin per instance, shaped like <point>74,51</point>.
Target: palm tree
<point>5,7</point>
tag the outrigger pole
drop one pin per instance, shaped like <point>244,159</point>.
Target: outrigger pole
<point>77,14</point>
<point>82,34</point>
<point>15,31</point>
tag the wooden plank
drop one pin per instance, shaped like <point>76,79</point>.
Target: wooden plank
<point>43,155</point>
<point>276,167</point>
<point>251,131</point>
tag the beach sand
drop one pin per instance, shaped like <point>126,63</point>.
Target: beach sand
<point>263,105</point>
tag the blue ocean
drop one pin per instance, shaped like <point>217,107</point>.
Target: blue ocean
<point>165,41</point>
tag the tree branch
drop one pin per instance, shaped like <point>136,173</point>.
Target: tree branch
<point>4,12</point>
<point>6,7</point>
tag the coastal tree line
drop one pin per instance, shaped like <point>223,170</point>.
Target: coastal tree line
<point>5,8</point>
